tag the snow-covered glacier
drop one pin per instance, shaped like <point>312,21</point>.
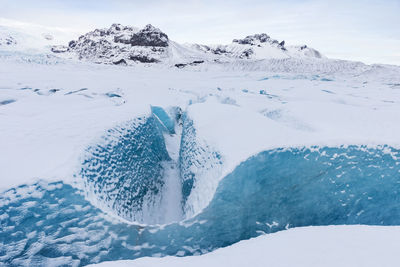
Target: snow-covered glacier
<point>197,150</point>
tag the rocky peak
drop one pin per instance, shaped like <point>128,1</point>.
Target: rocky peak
<point>150,36</point>
<point>253,39</point>
<point>116,27</point>
<point>258,39</point>
<point>119,44</point>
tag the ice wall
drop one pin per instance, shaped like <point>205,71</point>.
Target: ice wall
<point>200,168</point>
<point>166,123</point>
<point>124,172</point>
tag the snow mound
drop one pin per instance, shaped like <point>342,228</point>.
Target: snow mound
<point>329,246</point>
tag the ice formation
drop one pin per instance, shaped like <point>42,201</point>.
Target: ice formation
<point>272,191</point>
<point>125,172</point>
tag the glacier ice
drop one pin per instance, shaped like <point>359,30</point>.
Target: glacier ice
<point>164,119</point>
<point>125,172</point>
<point>268,192</point>
<point>6,102</point>
<point>200,168</point>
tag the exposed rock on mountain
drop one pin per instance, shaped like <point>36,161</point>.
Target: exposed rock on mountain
<point>194,63</point>
<point>118,45</point>
<point>258,39</point>
<point>7,40</point>
<point>149,36</point>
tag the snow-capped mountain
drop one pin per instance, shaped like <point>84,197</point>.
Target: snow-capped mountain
<point>31,39</point>
<point>119,45</point>
<point>128,45</point>
<point>125,45</point>
<point>259,46</point>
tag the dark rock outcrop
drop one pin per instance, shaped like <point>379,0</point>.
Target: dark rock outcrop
<point>259,40</point>
<point>8,40</point>
<point>143,59</point>
<point>194,63</point>
<point>149,36</point>
<point>253,39</point>
<point>120,62</point>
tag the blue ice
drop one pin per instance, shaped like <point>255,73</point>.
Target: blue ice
<point>164,119</point>
<point>125,170</point>
<point>268,192</point>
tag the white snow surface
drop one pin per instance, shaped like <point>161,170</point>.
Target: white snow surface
<point>46,130</point>
<point>32,38</point>
<point>305,246</point>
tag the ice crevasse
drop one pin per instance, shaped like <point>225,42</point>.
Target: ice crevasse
<point>125,174</point>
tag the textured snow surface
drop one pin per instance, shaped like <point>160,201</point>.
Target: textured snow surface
<point>51,113</point>
<point>307,246</point>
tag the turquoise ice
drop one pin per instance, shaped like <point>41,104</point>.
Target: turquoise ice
<point>269,192</point>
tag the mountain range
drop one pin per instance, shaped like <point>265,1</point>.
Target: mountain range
<point>126,45</point>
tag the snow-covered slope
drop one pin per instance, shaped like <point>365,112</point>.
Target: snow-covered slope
<point>345,246</point>
<point>15,40</point>
<point>30,38</point>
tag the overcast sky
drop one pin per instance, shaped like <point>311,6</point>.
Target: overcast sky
<point>366,30</point>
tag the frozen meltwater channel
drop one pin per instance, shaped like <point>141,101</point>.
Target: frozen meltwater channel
<point>171,205</point>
